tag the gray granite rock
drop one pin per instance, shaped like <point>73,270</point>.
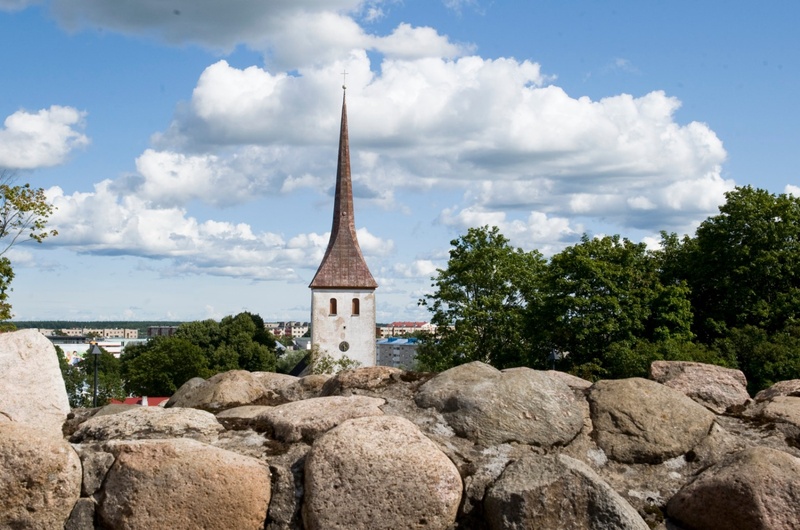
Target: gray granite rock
<point>490,407</point>
<point>379,472</point>
<point>638,420</point>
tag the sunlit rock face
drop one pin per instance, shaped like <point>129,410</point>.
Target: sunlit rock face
<point>472,447</point>
<point>31,388</point>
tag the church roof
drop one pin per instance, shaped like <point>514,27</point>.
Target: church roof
<point>343,266</point>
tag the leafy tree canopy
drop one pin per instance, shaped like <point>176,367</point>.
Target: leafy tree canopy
<point>79,378</point>
<point>743,265</point>
<point>23,214</point>
<point>198,349</point>
<point>479,302</point>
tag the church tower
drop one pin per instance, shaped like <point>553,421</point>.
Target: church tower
<point>343,289</point>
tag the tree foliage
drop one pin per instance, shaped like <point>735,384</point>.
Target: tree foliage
<point>198,349</point>
<point>162,365</point>
<point>23,214</point>
<point>608,307</point>
<point>743,265</point>
<point>603,295</point>
<point>79,378</point>
<point>479,302</point>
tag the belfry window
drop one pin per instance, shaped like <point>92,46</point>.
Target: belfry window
<point>356,309</point>
<point>332,308</point>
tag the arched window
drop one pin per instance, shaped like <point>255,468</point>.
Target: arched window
<point>356,306</point>
<point>332,309</point>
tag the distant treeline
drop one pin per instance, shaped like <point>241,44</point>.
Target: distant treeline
<point>141,325</point>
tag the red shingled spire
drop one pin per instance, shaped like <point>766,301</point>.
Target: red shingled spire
<point>343,265</point>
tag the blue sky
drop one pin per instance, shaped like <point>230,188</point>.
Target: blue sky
<point>190,148</point>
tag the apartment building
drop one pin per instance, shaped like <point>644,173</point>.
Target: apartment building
<point>397,352</point>
<point>396,329</point>
<point>289,329</point>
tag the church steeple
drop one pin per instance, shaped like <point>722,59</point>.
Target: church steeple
<point>343,266</point>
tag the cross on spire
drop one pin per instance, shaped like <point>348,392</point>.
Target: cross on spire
<point>344,80</point>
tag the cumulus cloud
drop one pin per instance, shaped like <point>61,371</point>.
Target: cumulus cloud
<point>407,42</point>
<point>30,140</point>
<point>527,156</point>
<point>291,34</point>
<point>201,21</point>
<point>420,268</point>
<point>105,222</point>
<point>521,153</point>
<point>538,231</point>
<point>792,190</point>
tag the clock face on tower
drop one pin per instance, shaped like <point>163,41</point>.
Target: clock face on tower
<point>344,346</point>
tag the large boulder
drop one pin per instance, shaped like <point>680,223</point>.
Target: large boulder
<point>781,388</point>
<point>757,488</point>
<point>222,391</point>
<point>274,384</point>
<point>784,409</point>
<point>31,386</point>
<point>183,483</point>
<point>556,491</point>
<point>367,378</point>
<point>307,419</point>
<point>782,412</point>
<point>491,407</point>
<point>304,388</point>
<point>149,422</point>
<point>640,421</point>
<point>715,387</point>
<point>379,472</point>
<point>40,478</point>
<point>185,389</point>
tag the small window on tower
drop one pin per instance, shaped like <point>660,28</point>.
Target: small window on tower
<point>333,307</point>
<point>356,306</point>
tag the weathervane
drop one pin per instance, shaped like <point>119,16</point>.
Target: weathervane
<point>344,80</point>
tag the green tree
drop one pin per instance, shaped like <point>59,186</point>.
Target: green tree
<point>602,297</point>
<point>160,366</point>
<point>765,358</point>
<point>743,265</point>
<point>23,214</point>
<point>236,342</point>
<point>253,346</point>
<point>479,303</point>
<point>291,358</point>
<point>79,379</point>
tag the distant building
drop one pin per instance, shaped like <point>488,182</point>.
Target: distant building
<point>287,329</point>
<point>105,333</point>
<point>397,352</point>
<point>396,329</point>
<point>161,331</point>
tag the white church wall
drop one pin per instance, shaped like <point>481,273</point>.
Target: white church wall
<point>344,333</point>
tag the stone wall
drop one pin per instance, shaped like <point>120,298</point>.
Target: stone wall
<point>470,448</point>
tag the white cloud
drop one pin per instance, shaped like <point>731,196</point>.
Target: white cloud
<point>522,153</point>
<point>420,268</point>
<point>291,33</point>
<point>103,222</point>
<point>207,22</point>
<point>45,138</point>
<point>170,178</point>
<point>538,231</point>
<point>792,190</point>
<point>407,42</point>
